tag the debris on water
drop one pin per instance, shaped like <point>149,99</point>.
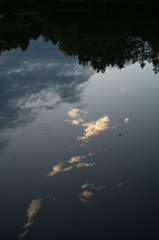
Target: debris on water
<point>119,134</point>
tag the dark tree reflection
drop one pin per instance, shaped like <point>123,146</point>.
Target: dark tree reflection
<point>112,36</point>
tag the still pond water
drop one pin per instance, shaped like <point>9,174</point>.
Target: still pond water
<point>79,154</point>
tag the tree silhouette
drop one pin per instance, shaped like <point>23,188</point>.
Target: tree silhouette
<point>123,33</point>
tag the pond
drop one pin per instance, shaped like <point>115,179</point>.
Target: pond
<point>79,114</point>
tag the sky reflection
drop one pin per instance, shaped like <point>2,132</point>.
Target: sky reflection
<point>41,81</point>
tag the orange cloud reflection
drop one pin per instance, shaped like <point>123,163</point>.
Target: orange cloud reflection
<point>76,159</point>
<point>126,120</point>
<point>92,128</point>
<point>59,167</point>
<point>87,195</point>
<point>31,211</point>
<point>91,186</point>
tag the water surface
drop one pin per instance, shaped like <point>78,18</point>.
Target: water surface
<point>79,145</point>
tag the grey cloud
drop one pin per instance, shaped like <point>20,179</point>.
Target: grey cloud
<point>3,143</point>
<point>31,80</point>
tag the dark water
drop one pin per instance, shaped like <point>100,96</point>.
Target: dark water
<point>79,155</point>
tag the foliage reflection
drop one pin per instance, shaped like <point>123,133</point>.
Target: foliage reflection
<point>121,34</point>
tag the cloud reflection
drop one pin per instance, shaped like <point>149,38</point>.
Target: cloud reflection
<point>23,234</point>
<point>126,120</point>
<point>77,118</point>
<point>90,154</point>
<point>86,196</point>
<point>123,89</point>
<point>4,141</point>
<point>31,211</point>
<point>91,186</point>
<point>76,159</point>
<point>35,81</point>
<point>73,113</point>
<point>59,167</point>
<point>119,184</point>
<point>92,128</point>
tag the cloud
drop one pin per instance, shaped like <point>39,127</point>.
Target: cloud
<point>126,120</point>
<point>74,163</point>
<point>73,112</point>
<point>59,167</point>
<point>90,154</point>
<point>123,89</point>
<point>119,184</point>
<point>33,208</point>
<point>24,233</point>
<point>83,200</point>
<point>31,211</point>
<point>91,186</point>
<point>79,165</point>
<point>4,141</point>
<point>94,128</point>
<point>77,118</point>
<point>87,194</point>
<point>38,80</point>
<point>75,122</point>
<point>76,159</point>
<point>56,169</point>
